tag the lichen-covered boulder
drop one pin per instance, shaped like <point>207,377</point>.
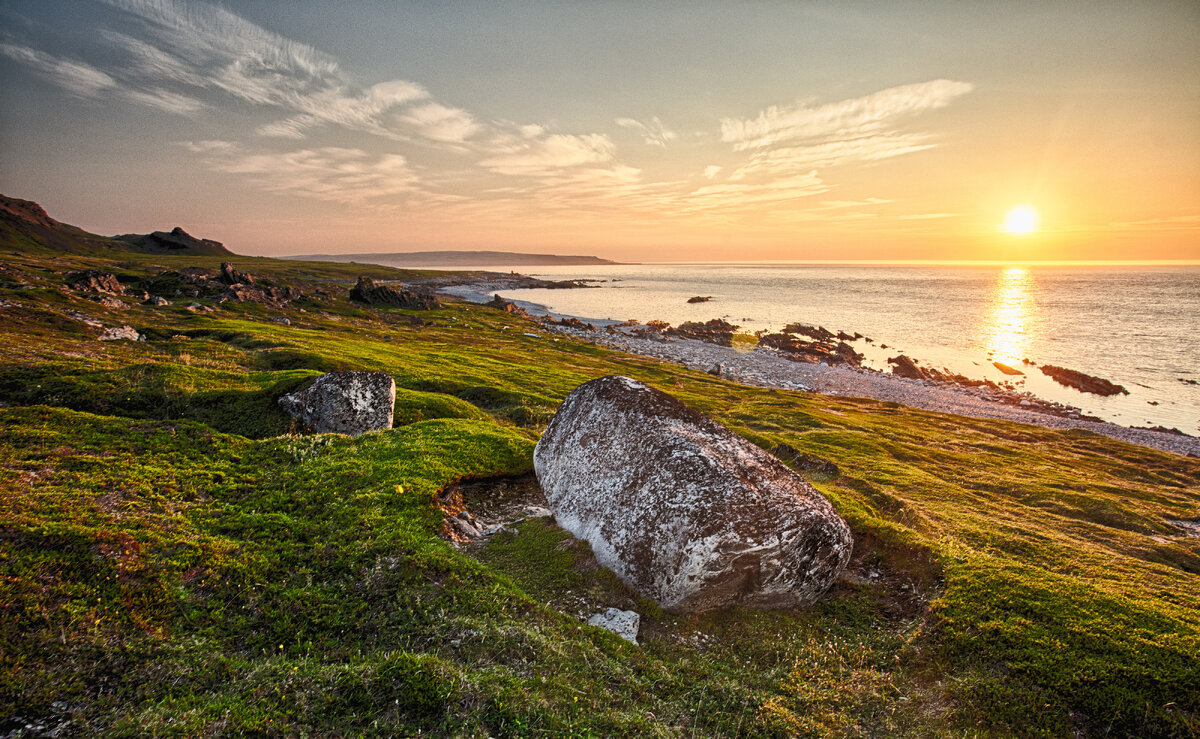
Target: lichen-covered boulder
<point>344,403</point>
<point>683,510</point>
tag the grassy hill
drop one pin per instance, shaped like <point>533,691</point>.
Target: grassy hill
<point>174,559</point>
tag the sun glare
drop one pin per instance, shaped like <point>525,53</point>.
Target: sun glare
<point>1023,219</point>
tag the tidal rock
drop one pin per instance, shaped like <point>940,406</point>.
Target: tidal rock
<point>368,291</point>
<point>683,510</point>
<point>95,281</point>
<point>624,624</point>
<point>117,333</point>
<point>344,403</point>
<point>1007,369</point>
<point>699,299</point>
<point>1081,382</point>
<point>902,366</point>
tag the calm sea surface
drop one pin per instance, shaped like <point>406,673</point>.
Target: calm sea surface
<point>1136,326</point>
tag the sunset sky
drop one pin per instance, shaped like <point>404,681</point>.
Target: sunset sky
<point>635,131</point>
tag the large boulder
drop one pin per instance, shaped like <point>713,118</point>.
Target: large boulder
<point>683,510</point>
<point>344,403</point>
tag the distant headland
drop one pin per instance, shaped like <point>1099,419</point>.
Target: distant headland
<point>457,259</point>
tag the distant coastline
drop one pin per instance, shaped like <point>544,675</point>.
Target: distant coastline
<point>458,259</point>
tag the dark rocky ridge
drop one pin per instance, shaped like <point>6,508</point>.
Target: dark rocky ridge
<point>177,241</point>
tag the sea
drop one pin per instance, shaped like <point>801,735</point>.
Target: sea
<point>1137,326</point>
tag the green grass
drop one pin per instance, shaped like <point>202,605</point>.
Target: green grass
<point>173,561</point>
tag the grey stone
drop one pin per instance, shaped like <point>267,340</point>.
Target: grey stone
<point>683,510</point>
<point>350,403</point>
<point>117,333</point>
<point>624,624</point>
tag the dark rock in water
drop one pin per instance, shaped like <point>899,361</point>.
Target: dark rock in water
<point>1007,369</point>
<point>232,276</point>
<point>370,292</point>
<point>806,462</point>
<point>1080,381</point>
<point>683,510</point>
<point>344,403</point>
<point>95,281</point>
<point>715,331</point>
<point>700,299</point>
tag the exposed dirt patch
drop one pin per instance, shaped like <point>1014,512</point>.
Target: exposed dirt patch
<point>478,508</point>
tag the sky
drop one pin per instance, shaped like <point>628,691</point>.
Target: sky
<point>664,131</point>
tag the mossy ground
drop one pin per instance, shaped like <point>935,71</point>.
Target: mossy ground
<point>176,560</point>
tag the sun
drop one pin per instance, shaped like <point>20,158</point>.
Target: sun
<point>1021,219</point>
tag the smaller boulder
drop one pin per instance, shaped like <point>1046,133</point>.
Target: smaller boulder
<point>349,403</point>
<point>117,333</point>
<point>624,624</point>
<point>157,300</point>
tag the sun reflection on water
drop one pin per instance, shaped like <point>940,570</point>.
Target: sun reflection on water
<point>1007,322</point>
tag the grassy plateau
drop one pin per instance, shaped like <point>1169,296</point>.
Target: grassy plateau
<point>177,558</point>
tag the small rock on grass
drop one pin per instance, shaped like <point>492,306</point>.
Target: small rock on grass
<point>624,624</point>
<point>116,333</point>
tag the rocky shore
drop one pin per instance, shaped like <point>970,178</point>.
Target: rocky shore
<point>766,367</point>
<point>776,365</point>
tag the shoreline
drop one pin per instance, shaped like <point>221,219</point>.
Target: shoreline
<point>765,368</point>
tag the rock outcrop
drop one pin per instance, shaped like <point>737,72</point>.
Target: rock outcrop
<point>350,403</point>
<point>801,350</point>
<point>507,306</point>
<point>683,510</point>
<point>95,281</point>
<point>370,292</point>
<point>231,275</point>
<point>716,331</point>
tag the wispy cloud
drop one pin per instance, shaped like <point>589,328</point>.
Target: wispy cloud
<point>652,132</point>
<point>549,153</point>
<point>927,216</point>
<point>182,57</point>
<point>442,123</point>
<point>847,119</point>
<point>84,80</point>
<point>344,175</point>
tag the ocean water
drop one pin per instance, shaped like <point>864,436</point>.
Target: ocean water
<point>1136,326</point>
